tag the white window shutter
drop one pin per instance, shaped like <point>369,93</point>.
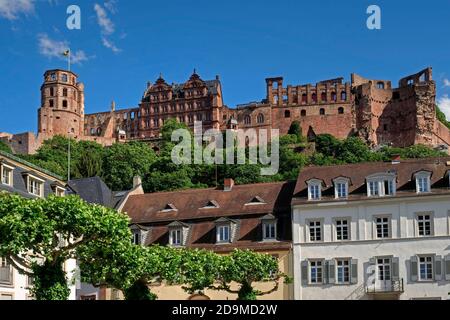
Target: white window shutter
<point>354,271</point>
<point>305,273</point>
<point>438,268</point>
<point>395,269</point>
<point>414,268</point>
<point>447,267</point>
<point>332,271</point>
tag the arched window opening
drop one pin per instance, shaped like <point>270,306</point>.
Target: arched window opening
<point>333,96</point>
<point>341,110</point>
<point>303,113</point>
<point>260,118</point>
<point>343,96</point>
<point>304,98</point>
<point>380,85</point>
<point>287,114</point>
<point>323,96</point>
<point>314,97</point>
<point>322,111</point>
<point>247,120</point>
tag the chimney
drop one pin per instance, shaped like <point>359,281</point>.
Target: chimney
<point>228,184</point>
<point>137,181</point>
<point>395,159</point>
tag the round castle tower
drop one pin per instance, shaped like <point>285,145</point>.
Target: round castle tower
<point>62,105</point>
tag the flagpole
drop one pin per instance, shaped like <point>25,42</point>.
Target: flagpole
<point>69,59</point>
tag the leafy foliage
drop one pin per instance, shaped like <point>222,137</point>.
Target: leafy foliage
<point>441,117</point>
<point>50,231</point>
<point>5,147</point>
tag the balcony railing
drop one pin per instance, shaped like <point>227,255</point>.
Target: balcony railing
<point>396,286</point>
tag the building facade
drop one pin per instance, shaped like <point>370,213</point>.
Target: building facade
<point>374,110</point>
<point>25,179</point>
<point>255,217</point>
<point>373,231</point>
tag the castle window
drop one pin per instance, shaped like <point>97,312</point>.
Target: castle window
<point>380,85</point>
<point>323,97</point>
<point>385,127</point>
<point>341,110</point>
<point>64,92</point>
<point>303,113</point>
<point>247,120</point>
<point>322,111</point>
<point>410,82</point>
<point>155,123</point>
<point>64,103</point>
<point>333,96</point>
<point>208,116</point>
<point>199,117</point>
<point>260,118</point>
<point>64,77</point>
<point>53,77</point>
<point>304,98</point>
<point>92,132</point>
<point>314,97</point>
<point>51,103</point>
<point>343,96</point>
<point>287,114</point>
<point>155,109</point>
<point>132,115</point>
<point>191,118</point>
<point>52,92</point>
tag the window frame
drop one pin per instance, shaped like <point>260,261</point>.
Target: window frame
<point>432,263</point>
<point>378,181</point>
<point>178,232</point>
<point>418,222</point>
<point>3,260</point>
<point>336,228</point>
<point>341,181</point>
<point>320,267</point>
<point>423,176</point>
<point>269,223</point>
<point>5,167</point>
<point>314,183</point>
<point>220,227</point>
<point>315,227</point>
<point>349,270</point>
<point>39,181</point>
<point>376,224</point>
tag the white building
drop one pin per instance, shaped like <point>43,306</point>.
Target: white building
<point>373,231</point>
<point>25,179</point>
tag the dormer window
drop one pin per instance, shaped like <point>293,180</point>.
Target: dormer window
<point>169,207</point>
<point>35,185</point>
<point>256,200</point>
<point>380,185</point>
<point>269,228</point>
<point>224,230</point>
<point>6,173</point>
<point>176,237</point>
<point>341,188</point>
<point>423,181</point>
<point>59,191</point>
<point>178,232</point>
<point>137,237</point>
<point>212,204</point>
<point>314,189</point>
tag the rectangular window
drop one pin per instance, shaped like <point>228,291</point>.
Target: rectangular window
<point>6,174</point>
<point>382,225</point>
<point>270,230</point>
<point>137,238</point>
<point>389,187</point>
<point>35,187</point>
<point>423,184</point>
<point>223,233</point>
<point>343,271</point>
<point>316,272</point>
<point>342,229</point>
<point>374,189</point>
<point>314,192</point>
<point>176,237</point>
<point>424,224</point>
<point>315,231</point>
<point>5,272</point>
<point>426,268</point>
<point>342,190</point>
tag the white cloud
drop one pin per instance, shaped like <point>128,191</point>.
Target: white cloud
<point>444,104</point>
<point>105,23</point>
<point>110,45</point>
<point>446,83</point>
<point>54,49</point>
<point>11,9</point>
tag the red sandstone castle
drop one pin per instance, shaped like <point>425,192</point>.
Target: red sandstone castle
<point>371,109</point>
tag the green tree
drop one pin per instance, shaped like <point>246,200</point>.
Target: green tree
<point>4,147</point>
<point>245,267</point>
<point>296,130</point>
<point>124,161</point>
<point>37,236</point>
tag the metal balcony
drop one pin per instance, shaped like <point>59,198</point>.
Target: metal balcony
<point>396,287</point>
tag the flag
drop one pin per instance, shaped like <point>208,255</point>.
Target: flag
<point>66,53</point>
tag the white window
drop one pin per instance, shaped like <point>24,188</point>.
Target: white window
<point>35,186</point>
<point>423,183</point>
<point>342,190</point>
<point>176,237</point>
<point>223,233</point>
<point>374,190</point>
<point>6,175</point>
<point>59,192</point>
<point>5,272</point>
<point>270,230</point>
<point>343,271</point>
<point>424,224</point>
<point>315,230</point>
<point>342,230</point>
<point>383,227</point>
<point>137,237</point>
<point>314,190</point>
<point>426,268</point>
<point>316,271</point>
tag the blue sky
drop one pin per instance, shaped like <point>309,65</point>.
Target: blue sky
<point>123,44</point>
